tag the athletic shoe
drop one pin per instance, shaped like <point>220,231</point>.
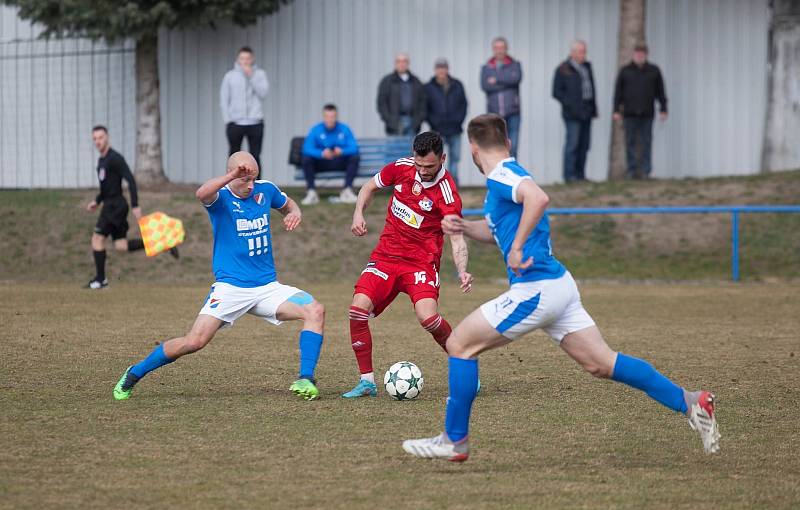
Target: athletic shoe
<point>439,447</point>
<point>311,198</point>
<point>124,387</point>
<point>174,252</point>
<point>96,284</point>
<point>364,388</point>
<point>703,420</point>
<point>347,196</point>
<point>305,389</point>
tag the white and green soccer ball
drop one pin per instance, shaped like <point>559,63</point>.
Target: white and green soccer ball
<point>403,380</point>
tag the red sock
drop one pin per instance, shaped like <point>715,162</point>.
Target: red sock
<point>361,338</point>
<point>439,328</point>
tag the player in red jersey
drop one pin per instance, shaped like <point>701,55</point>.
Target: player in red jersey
<point>407,256</point>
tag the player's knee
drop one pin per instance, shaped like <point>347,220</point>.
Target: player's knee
<point>121,246</point>
<point>193,343</point>
<point>315,312</point>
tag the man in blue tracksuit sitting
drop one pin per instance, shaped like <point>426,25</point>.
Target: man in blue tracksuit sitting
<point>330,146</point>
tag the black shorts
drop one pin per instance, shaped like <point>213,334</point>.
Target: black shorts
<point>113,220</point>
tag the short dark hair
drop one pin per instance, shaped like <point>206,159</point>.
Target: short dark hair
<point>245,49</point>
<point>427,142</point>
<point>100,127</point>
<point>488,131</point>
<point>330,107</point>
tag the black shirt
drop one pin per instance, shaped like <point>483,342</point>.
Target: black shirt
<point>636,90</point>
<point>111,169</point>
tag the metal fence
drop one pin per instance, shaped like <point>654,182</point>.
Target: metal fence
<point>733,210</point>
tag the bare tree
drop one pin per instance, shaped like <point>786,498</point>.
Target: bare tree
<point>631,32</point>
<point>782,130</point>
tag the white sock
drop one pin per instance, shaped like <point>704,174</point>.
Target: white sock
<point>368,377</point>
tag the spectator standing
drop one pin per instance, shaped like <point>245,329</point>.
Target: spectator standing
<point>447,109</point>
<point>401,99</point>
<point>243,88</point>
<point>330,145</point>
<point>500,78</point>
<point>639,85</point>
<point>573,87</point>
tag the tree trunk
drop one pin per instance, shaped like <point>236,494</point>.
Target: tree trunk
<point>149,168</point>
<point>631,32</point>
<point>782,129</point>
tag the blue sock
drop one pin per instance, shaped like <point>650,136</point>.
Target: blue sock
<point>155,359</point>
<point>310,345</point>
<point>463,380</point>
<point>642,376</point>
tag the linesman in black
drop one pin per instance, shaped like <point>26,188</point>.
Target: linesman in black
<point>113,220</point>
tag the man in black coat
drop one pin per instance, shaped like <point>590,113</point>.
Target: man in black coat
<point>573,87</point>
<point>447,109</point>
<point>639,85</point>
<point>401,99</point>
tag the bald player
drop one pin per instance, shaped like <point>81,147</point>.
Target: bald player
<point>239,207</point>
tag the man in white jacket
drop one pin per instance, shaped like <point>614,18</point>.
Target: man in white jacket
<point>243,88</point>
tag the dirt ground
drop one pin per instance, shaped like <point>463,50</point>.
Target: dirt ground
<point>220,430</point>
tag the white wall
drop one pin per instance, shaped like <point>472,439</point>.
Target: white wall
<point>712,54</point>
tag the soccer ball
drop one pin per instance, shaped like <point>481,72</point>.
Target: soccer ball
<point>403,380</point>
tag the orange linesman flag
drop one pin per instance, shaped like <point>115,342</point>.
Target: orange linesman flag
<point>160,233</point>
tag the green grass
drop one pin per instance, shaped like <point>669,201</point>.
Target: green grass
<point>220,428</point>
<point>46,235</point>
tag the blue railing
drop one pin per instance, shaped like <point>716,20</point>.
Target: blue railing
<point>734,210</point>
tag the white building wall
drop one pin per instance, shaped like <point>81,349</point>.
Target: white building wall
<point>712,54</point>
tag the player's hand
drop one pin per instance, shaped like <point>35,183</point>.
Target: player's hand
<point>291,221</point>
<point>515,262</point>
<point>466,281</point>
<point>137,213</point>
<point>91,206</point>
<point>241,171</point>
<point>359,226</point>
<point>453,224</point>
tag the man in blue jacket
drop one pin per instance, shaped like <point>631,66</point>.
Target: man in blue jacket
<point>573,87</point>
<point>330,146</point>
<point>447,109</point>
<point>500,78</point>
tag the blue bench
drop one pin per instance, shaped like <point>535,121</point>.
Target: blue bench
<point>374,154</point>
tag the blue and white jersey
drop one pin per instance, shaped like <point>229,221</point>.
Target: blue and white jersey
<point>242,239</point>
<point>503,213</point>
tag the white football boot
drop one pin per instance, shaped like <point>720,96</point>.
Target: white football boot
<point>439,447</point>
<point>703,420</point>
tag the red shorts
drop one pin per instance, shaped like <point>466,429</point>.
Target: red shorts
<point>383,280</point>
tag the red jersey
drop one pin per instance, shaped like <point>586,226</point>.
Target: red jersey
<point>413,229</point>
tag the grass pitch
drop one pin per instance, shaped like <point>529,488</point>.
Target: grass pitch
<point>220,429</point>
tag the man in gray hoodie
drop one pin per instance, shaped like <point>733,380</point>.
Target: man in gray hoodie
<point>243,88</point>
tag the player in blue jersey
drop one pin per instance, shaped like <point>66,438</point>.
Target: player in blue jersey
<point>239,208</point>
<point>543,295</point>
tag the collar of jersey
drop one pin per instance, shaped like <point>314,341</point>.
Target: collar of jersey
<point>433,182</point>
<point>500,165</point>
<point>234,194</point>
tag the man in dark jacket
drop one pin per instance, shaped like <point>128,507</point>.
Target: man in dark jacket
<point>573,87</point>
<point>500,78</point>
<point>639,85</point>
<point>447,108</point>
<point>401,99</point>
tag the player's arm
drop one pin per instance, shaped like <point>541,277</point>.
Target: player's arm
<point>460,259</point>
<point>207,193</point>
<point>292,216</point>
<point>365,196</point>
<point>477,230</point>
<point>534,202</point>
<point>125,171</point>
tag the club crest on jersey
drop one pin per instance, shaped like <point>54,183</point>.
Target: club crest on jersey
<point>426,204</point>
<point>259,198</point>
<point>416,188</point>
<point>406,214</point>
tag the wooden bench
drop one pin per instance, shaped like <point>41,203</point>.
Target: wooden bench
<point>374,154</point>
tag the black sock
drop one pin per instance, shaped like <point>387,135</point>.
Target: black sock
<point>100,265</point>
<point>135,244</point>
